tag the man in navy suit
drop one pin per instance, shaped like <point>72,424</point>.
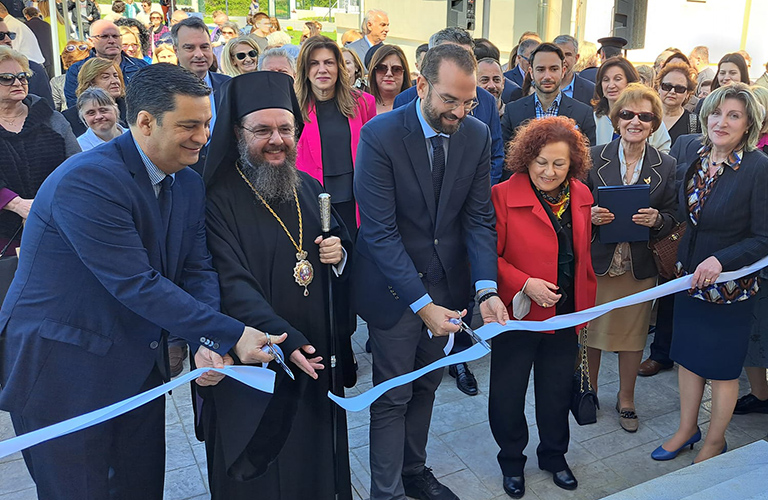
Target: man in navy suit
<point>426,236</point>
<point>573,85</point>
<point>114,259</point>
<point>524,50</point>
<point>548,100</point>
<point>486,110</point>
<point>192,43</point>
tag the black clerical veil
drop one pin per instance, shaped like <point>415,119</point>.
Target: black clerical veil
<point>239,97</point>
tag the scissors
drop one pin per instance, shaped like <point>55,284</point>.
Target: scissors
<point>278,355</point>
<point>463,326</point>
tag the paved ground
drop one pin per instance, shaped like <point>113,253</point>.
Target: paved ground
<point>604,458</point>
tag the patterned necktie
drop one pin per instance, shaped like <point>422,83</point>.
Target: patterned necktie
<point>435,270</point>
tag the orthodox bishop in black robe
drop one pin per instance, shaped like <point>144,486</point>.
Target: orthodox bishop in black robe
<point>278,446</point>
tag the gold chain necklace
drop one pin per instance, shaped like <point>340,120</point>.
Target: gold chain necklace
<point>303,272</point>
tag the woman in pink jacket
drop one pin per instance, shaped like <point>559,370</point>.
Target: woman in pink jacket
<point>334,113</point>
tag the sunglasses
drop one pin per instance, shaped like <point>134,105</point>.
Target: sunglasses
<point>8,79</point>
<point>10,34</point>
<point>72,48</point>
<point>155,18</point>
<point>679,89</point>
<point>242,55</point>
<point>625,114</point>
<point>382,69</point>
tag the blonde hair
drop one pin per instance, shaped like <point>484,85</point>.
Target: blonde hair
<point>637,92</point>
<point>587,56</point>
<point>761,94</point>
<point>278,39</point>
<point>740,92</point>
<point>163,47</point>
<point>92,69</point>
<point>227,55</point>
<point>8,54</point>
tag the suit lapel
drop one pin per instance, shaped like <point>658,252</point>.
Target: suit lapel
<point>608,155</point>
<point>566,105</point>
<point>649,173</point>
<point>452,165</point>
<point>416,147</point>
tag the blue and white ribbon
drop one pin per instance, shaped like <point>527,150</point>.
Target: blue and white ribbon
<point>487,332</point>
<point>262,379</point>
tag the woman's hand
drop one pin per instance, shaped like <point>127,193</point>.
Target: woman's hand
<point>20,206</point>
<point>601,216</point>
<point>648,217</point>
<point>542,292</point>
<point>706,273</point>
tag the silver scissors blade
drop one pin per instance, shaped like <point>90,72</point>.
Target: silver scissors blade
<point>279,359</point>
<point>470,332</point>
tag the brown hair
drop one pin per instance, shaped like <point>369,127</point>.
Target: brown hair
<point>345,95</point>
<point>532,137</point>
<point>91,70</point>
<point>636,92</point>
<point>381,54</point>
<point>599,101</point>
<point>685,70</point>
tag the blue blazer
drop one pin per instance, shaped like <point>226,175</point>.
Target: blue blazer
<point>733,223</point>
<point>400,225</point>
<point>510,87</point>
<point>685,150</point>
<point>515,75</point>
<point>217,80</point>
<point>98,282</point>
<point>589,74</point>
<point>487,112</point>
<point>583,90</point>
<point>519,112</point>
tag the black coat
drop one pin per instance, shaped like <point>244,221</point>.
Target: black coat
<point>659,172</point>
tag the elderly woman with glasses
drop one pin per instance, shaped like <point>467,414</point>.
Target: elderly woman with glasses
<point>724,200</point>
<point>389,75</point>
<point>240,55</point>
<point>626,268</point>
<point>158,27</point>
<point>72,52</point>
<point>675,84</point>
<point>34,140</point>
<point>333,114</point>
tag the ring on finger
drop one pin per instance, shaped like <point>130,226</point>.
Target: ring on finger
<point>545,305</point>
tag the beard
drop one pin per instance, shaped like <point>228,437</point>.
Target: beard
<point>435,118</point>
<point>276,183</point>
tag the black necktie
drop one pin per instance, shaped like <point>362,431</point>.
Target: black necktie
<point>438,166</point>
<point>435,269</point>
<point>165,200</point>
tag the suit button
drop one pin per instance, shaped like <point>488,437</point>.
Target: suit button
<point>203,340</point>
<point>153,344</point>
<point>421,275</point>
<point>215,345</point>
<point>436,241</point>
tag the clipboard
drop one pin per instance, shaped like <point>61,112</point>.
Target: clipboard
<point>623,202</point>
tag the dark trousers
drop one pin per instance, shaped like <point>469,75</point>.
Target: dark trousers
<point>400,418</point>
<point>121,459</point>
<point>662,338</point>
<point>553,357</point>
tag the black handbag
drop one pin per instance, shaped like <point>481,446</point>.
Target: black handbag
<point>8,266</point>
<point>584,403</point>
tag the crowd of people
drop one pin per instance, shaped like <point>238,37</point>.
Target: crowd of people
<point>467,191</point>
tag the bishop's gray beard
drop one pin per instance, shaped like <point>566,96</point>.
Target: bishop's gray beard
<point>275,183</point>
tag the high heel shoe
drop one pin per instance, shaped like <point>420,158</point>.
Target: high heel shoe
<point>725,448</point>
<point>661,454</point>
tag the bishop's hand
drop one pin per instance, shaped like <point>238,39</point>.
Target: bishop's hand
<point>330,249</point>
<point>306,364</point>
<point>248,348</point>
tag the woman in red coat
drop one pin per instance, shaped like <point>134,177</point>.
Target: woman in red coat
<point>544,233</point>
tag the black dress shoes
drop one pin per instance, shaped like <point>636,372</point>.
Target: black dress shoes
<point>514,486</point>
<point>565,479</point>
<point>465,381</point>
<point>425,486</point>
<point>750,404</point>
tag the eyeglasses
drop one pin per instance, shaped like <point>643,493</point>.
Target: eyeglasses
<point>679,89</point>
<point>155,18</point>
<point>383,69</point>
<point>626,114</point>
<point>453,103</point>
<point>72,48</point>
<point>10,34</point>
<point>8,79</point>
<point>107,37</point>
<point>242,55</point>
<point>133,46</point>
<point>266,133</point>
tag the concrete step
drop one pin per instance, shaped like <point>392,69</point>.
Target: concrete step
<point>738,474</point>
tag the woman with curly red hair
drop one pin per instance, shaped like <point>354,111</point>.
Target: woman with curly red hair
<point>545,269</point>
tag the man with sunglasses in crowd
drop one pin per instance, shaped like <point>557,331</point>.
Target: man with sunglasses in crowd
<point>426,239</point>
<point>38,82</point>
<point>107,44</point>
